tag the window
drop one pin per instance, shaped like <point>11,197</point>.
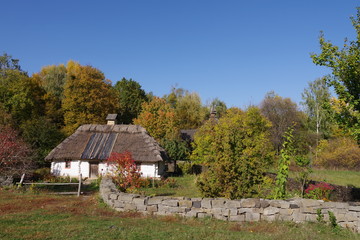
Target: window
<point>67,164</point>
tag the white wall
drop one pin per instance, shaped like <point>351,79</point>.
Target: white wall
<point>149,170</point>
<point>58,169</point>
<point>146,169</point>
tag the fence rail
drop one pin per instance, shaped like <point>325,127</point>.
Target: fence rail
<point>54,184</point>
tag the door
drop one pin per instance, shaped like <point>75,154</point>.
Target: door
<point>94,170</point>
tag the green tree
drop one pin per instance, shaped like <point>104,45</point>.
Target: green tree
<point>190,112</point>
<point>240,151</point>
<point>20,96</point>
<point>345,77</point>
<point>42,136</point>
<point>52,79</point>
<point>88,97</point>
<point>286,153</point>
<point>317,106</point>
<point>131,97</point>
<point>219,106</point>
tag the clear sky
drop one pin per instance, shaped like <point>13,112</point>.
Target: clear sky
<point>234,50</point>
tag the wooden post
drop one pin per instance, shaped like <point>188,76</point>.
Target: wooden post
<point>79,189</point>
<point>21,180</point>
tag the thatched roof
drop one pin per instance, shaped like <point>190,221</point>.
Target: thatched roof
<point>188,134</point>
<point>97,142</point>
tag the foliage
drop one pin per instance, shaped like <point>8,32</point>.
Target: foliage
<point>304,170</point>
<point>131,97</point>
<point>189,111</point>
<point>185,167</point>
<point>286,153</point>
<point>219,106</point>
<point>340,152</point>
<point>159,119</point>
<point>332,219</point>
<point>8,63</point>
<point>126,175</point>
<point>282,113</point>
<point>176,149</point>
<point>240,151</point>
<point>321,191</point>
<point>317,106</point>
<point>88,97</point>
<point>344,64</point>
<point>203,149</point>
<point>21,96</point>
<point>15,154</point>
<point>42,136</point>
<point>320,216</point>
<point>52,79</point>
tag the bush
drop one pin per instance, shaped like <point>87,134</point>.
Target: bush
<point>341,152</point>
<point>321,191</point>
<point>237,152</point>
<point>126,175</point>
<point>41,174</point>
<point>185,167</point>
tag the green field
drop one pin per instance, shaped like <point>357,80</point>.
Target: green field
<point>186,184</point>
<point>338,177</point>
<point>185,187</point>
<point>40,216</point>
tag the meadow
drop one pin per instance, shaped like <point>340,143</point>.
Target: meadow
<point>26,215</point>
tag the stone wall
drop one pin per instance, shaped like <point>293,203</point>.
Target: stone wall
<point>297,210</point>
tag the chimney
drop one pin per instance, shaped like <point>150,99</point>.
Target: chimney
<point>111,119</point>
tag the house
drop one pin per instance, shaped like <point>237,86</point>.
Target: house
<point>87,149</point>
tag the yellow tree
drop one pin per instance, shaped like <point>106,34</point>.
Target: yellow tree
<point>88,97</point>
<point>158,118</point>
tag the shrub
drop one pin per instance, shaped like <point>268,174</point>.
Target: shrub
<point>237,152</point>
<point>341,152</point>
<point>185,167</point>
<point>321,190</point>
<point>126,175</point>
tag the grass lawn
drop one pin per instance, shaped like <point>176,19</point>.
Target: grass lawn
<point>40,216</point>
<point>337,177</point>
<point>186,184</point>
<point>186,187</point>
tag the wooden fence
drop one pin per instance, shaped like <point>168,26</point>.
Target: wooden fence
<point>54,184</point>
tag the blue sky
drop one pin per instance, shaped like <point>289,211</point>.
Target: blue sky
<point>234,50</point>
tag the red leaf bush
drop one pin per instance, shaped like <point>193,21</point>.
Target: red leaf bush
<point>126,175</point>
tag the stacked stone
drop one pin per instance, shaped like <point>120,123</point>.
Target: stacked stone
<point>296,210</point>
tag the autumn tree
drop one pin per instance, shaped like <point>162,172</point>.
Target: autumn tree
<point>345,77</point>
<point>238,150</point>
<point>158,118</point>
<point>88,97</point>
<point>131,97</point>
<point>282,113</point>
<point>15,154</point>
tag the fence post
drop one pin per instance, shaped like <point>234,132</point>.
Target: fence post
<point>21,180</point>
<point>79,189</point>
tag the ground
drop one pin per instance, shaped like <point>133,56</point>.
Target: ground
<point>43,216</point>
